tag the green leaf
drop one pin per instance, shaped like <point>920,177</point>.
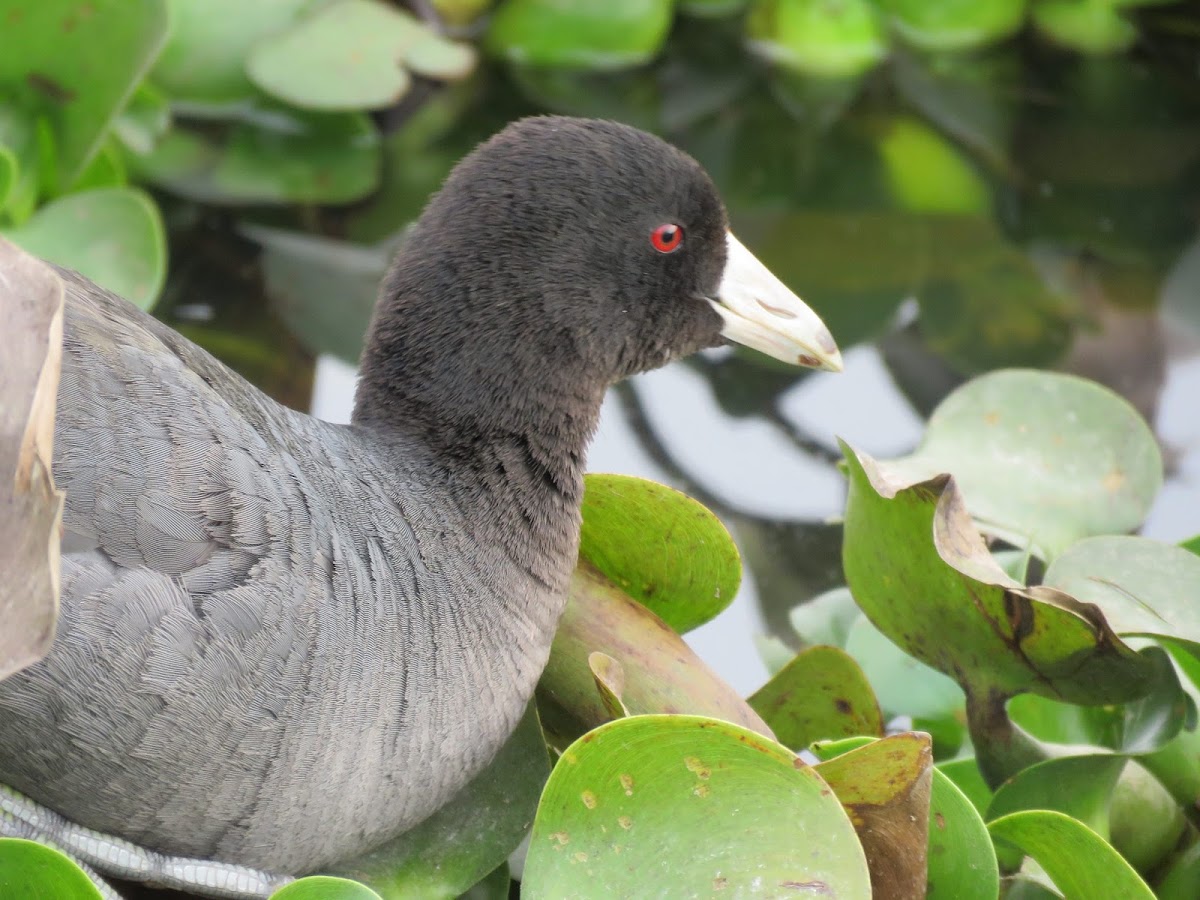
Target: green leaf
<point>78,64</point>
<point>1192,545</point>
<point>688,806</point>
<point>37,872</point>
<point>955,24</point>
<point>144,120</point>
<point>324,887</point>
<point>662,674</point>
<point>282,157</point>
<point>826,618</point>
<point>8,174</point>
<point>204,60</point>
<point>1041,457</point>
<point>580,33</point>
<point>927,173</point>
<point>661,547</point>
<point>1091,26</point>
<point>885,788</point>
<point>1146,822</point>
<point>962,858</point>
<point>1181,881</point>
<point>323,289</point>
<point>1081,864</point>
<point>470,836</point>
<point>965,774</point>
<point>1144,587</point>
<point>821,694</point>
<point>816,37</point>
<point>1078,786</point>
<point>18,136</point>
<point>114,236</point>
<point>918,569</point>
<point>350,55</point>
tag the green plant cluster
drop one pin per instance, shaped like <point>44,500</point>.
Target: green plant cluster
<point>1002,701</point>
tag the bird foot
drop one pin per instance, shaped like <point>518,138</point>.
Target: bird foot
<point>101,855</point>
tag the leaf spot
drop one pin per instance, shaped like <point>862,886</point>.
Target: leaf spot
<point>589,799</point>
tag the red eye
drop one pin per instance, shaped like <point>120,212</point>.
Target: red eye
<point>666,238</point>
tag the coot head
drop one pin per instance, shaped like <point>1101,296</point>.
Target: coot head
<point>560,256</point>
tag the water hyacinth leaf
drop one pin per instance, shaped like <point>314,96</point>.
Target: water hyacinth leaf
<point>610,683</point>
<point>114,236</point>
<point>885,788</point>
<point>31,302</point>
<point>1145,587</point>
<point>323,289</point>
<point>962,857</point>
<point>204,60</point>
<point>955,24</point>
<point>985,305</point>
<point>1141,726</point>
<point>469,837</point>
<point>29,869</point>
<point>8,174</point>
<point>288,158</point>
<point>905,686</point>
<point>145,119</point>
<point>661,547</point>
<point>821,694</point>
<point>77,65</point>
<point>1181,881</point>
<point>1041,457</point>
<point>662,673</point>
<point>324,887</point>
<point>350,55</point>
<point>826,618</point>
<point>580,33</point>
<point>814,37</point>
<point>919,568</point>
<point>1081,864</point>
<point>1079,786</point>
<point>18,137</point>
<point>628,805</point>
<point>927,173</point>
<point>1091,26</point>
<point>1145,821</point>
<point>965,774</point>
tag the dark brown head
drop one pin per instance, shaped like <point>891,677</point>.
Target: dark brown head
<point>560,256</point>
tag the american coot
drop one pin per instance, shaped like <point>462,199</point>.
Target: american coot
<point>284,641</point>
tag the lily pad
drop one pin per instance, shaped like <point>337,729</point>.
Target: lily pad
<point>812,36</point>
<point>580,33</point>
<point>661,547</point>
<point>204,60</point>
<point>114,236</point>
<point>32,870</point>
<point>929,174</point>
<point>1080,863</point>
<point>821,694</point>
<point>662,673</point>
<point>885,787</point>
<point>350,55</point>
<point>468,837</point>
<point>77,65</point>
<point>1041,457</point>
<point>629,805</point>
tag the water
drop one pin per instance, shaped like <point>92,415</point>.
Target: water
<point>945,216</point>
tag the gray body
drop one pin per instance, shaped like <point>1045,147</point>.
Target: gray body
<point>281,641</point>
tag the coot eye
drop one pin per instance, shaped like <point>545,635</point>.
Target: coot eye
<point>666,238</point>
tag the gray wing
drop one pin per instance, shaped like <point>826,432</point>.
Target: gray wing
<point>187,566</point>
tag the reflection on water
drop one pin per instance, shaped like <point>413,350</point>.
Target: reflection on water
<point>945,215</point>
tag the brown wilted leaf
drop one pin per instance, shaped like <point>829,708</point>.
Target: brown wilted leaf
<point>31,323</point>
